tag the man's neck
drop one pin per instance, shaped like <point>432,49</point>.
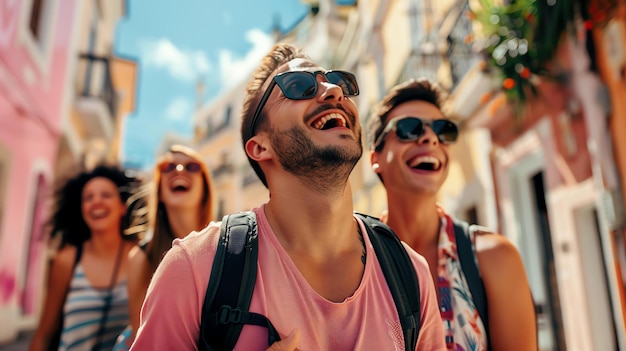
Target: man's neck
<point>414,218</point>
<point>303,219</point>
<point>321,236</point>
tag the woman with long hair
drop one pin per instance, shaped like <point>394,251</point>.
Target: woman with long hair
<point>86,304</point>
<point>180,201</point>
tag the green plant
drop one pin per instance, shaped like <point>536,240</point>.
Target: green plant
<point>520,38</point>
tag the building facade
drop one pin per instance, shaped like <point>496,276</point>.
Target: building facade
<point>103,91</point>
<point>558,189</point>
<point>36,41</point>
<point>63,95</point>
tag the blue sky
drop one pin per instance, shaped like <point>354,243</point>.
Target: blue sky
<point>178,42</point>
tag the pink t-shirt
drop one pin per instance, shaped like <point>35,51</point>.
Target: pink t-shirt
<point>367,320</point>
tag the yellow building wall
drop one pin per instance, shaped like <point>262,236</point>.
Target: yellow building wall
<point>124,76</point>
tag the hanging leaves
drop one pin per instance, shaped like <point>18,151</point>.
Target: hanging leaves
<point>522,36</point>
<point>508,44</point>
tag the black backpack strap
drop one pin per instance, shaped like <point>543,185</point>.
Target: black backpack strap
<point>229,292</point>
<point>400,276</point>
<point>467,256</point>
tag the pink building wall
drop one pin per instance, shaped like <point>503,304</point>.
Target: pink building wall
<point>33,95</point>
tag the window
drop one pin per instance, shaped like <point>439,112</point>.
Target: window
<point>471,215</point>
<point>37,29</point>
<point>36,18</point>
<point>91,47</point>
<point>208,128</point>
<point>227,114</point>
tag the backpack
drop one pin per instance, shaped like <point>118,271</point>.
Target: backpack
<point>233,274</point>
<point>467,256</point>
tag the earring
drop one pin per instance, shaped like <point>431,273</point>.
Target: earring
<point>375,166</point>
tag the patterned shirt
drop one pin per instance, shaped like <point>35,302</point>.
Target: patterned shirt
<point>463,328</point>
<point>84,310</point>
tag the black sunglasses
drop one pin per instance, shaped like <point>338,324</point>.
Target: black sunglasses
<point>191,167</point>
<point>412,128</point>
<point>302,85</point>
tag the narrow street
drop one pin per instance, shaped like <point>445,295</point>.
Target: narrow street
<point>21,344</point>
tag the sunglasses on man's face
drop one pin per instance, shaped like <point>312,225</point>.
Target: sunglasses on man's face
<point>191,167</point>
<point>302,85</point>
<point>413,128</point>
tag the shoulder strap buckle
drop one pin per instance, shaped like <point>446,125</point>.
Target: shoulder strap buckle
<point>228,315</point>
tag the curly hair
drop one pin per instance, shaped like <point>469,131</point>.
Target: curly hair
<point>280,54</point>
<point>67,219</point>
<point>415,89</point>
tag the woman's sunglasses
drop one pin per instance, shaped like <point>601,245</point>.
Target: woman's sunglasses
<point>191,167</point>
<point>302,85</point>
<point>413,128</point>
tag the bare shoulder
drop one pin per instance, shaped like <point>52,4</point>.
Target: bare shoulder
<point>63,263</point>
<point>505,280</point>
<point>137,256</point>
<point>494,247</point>
<point>497,256</point>
<point>65,257</point>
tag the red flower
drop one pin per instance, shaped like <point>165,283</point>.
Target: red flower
<point>525,73</point>
<point>508,83</point>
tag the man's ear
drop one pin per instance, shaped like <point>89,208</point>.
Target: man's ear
<point>374,161</point>
<point>256,148</point>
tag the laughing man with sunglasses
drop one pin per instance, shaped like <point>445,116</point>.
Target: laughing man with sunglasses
<point>411,137</point>
<point>318,279</point>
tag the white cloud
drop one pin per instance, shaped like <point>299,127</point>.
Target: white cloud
<point>185,65</point>
<point>179,109</point>
<point>234,69</point>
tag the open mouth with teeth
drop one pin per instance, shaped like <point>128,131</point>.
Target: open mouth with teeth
<point>179,186</point>
<point>425,163</point>
<point>100,213</point>
<point>329,121</point>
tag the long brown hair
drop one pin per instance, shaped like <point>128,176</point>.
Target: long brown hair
<point>161,239</point>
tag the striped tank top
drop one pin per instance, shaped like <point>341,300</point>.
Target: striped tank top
<point>83,310</point>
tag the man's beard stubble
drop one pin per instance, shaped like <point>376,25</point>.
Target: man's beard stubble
<point>325,168</point>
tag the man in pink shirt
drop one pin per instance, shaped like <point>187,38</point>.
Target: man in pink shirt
<point>319,280</point>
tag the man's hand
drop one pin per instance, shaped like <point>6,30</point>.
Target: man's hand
<point>290,343</point>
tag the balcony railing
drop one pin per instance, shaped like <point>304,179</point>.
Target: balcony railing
<point>447,43</point>
<point>460,53</point>
<point>94,80</point>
